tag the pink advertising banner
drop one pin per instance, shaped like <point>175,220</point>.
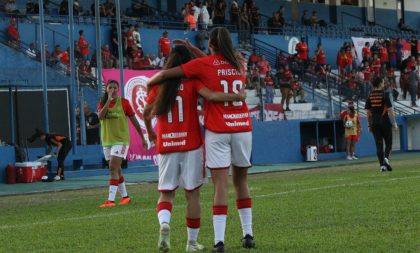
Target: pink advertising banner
<point>135,91</point>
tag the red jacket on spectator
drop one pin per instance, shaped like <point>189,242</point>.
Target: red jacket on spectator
<point>288,74</point>
<point>165,46</point>
<point>383,54</point>
<point>302,50</point>
<point>366,53</point>
<point>367,74</point>
<point>84,46</point>
<point>320,57</point>
<point>136,56</point>
<point>13,33</point>
<point>268,81</point>
<point>254,59</point>
<point>376,65</point>
<point>264,67</point>
<point>64,57</point>
<point>349,58</point>
<point>130,39</point>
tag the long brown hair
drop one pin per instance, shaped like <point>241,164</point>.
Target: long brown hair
<point>222,43</point>
<point>168,90</point>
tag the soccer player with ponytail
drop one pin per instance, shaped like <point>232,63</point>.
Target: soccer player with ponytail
<point>228,137</point>
<point>179,145</point>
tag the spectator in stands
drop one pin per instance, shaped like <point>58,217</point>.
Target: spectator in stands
<point>367,77</point>
<point>314,19</point>
<point>263,68</point>
<point>164,44</point>
<point>219,13</point>
<point>92,125</point>
<point>76,8</point>
<point>13,35</point>
<point>302,50</point>
<point>282,60</point>
<point>191,23</point>
<point>403,27</point>
<point>196,10</point>
<point>305,20</point>
<point>399,46</point>
<point>154,61</point>
<point>85,72</point>
<point>376,64</point>
<point>31,51</point>
<point>185,11</point>
<point>64,8</point>
<point>47,54</point>
<point>275,23</point>
<point>414,47</point>
<point>145,62</point>
<point>234,14</point>
<point>84,45</point>
<point>31,7</point>
<point>383,54</point>
<point>254,58</point>
<point>135,58</point>
<point>162,60</point>
<point>11,8</point>
<point>107,58</point>
<point>130,40</point>
<point>375,48</point>
<point>109,8</point>
<point>284,77</point>
<point>413,85</point>
<point>269,88</point>
<point>366,53</point>
<point>254,13</point>
<point>205,16</point>
<point>114,40</point>
<point>320,56</point>
<point>392,52</point>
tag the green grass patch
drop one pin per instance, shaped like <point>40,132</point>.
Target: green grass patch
<point>346,209</point>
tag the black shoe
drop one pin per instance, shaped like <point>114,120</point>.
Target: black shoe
<point>248,242</point>
<point>219,247</point>
<point>62,177</point>
<point>387,165</point>
<point>288,109</point>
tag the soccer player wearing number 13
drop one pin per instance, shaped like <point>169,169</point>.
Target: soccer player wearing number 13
<point>228,137</point>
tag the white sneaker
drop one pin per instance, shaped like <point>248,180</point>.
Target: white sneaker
<point>383,169</point>
<point>355,158</point>
<point>349,158</point>
<point>387,164</point>
<point>193,246</point>
<point>164,244</point>
<point>57,178</point>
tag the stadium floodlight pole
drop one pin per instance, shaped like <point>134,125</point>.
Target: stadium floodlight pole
<point>98,48</point>
<point>43,67</point>
<point>73,99</point>
<point>120,45</point>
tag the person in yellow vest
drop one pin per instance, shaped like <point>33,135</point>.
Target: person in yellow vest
<point>352,130</point>
<point>113,112</point>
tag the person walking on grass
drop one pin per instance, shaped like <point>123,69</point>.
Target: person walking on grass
<point>113,112</point>
<point>228,136</point>
<point>381,119</point>
<point>174,102</point>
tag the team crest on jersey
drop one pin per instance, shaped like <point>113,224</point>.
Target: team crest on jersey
<point>136,92</point>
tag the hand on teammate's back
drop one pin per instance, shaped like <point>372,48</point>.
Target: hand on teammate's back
<point>242,93</point>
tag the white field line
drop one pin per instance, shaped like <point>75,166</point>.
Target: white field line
<point>5,227</point>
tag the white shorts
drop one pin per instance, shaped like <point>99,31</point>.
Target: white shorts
<point>185,169</point>
<point>120,150</point>
<point>224,149</point>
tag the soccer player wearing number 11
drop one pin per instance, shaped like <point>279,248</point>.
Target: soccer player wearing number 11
<point>228,137</point>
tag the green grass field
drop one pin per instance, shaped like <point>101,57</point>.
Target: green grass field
<point>345,209</point>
